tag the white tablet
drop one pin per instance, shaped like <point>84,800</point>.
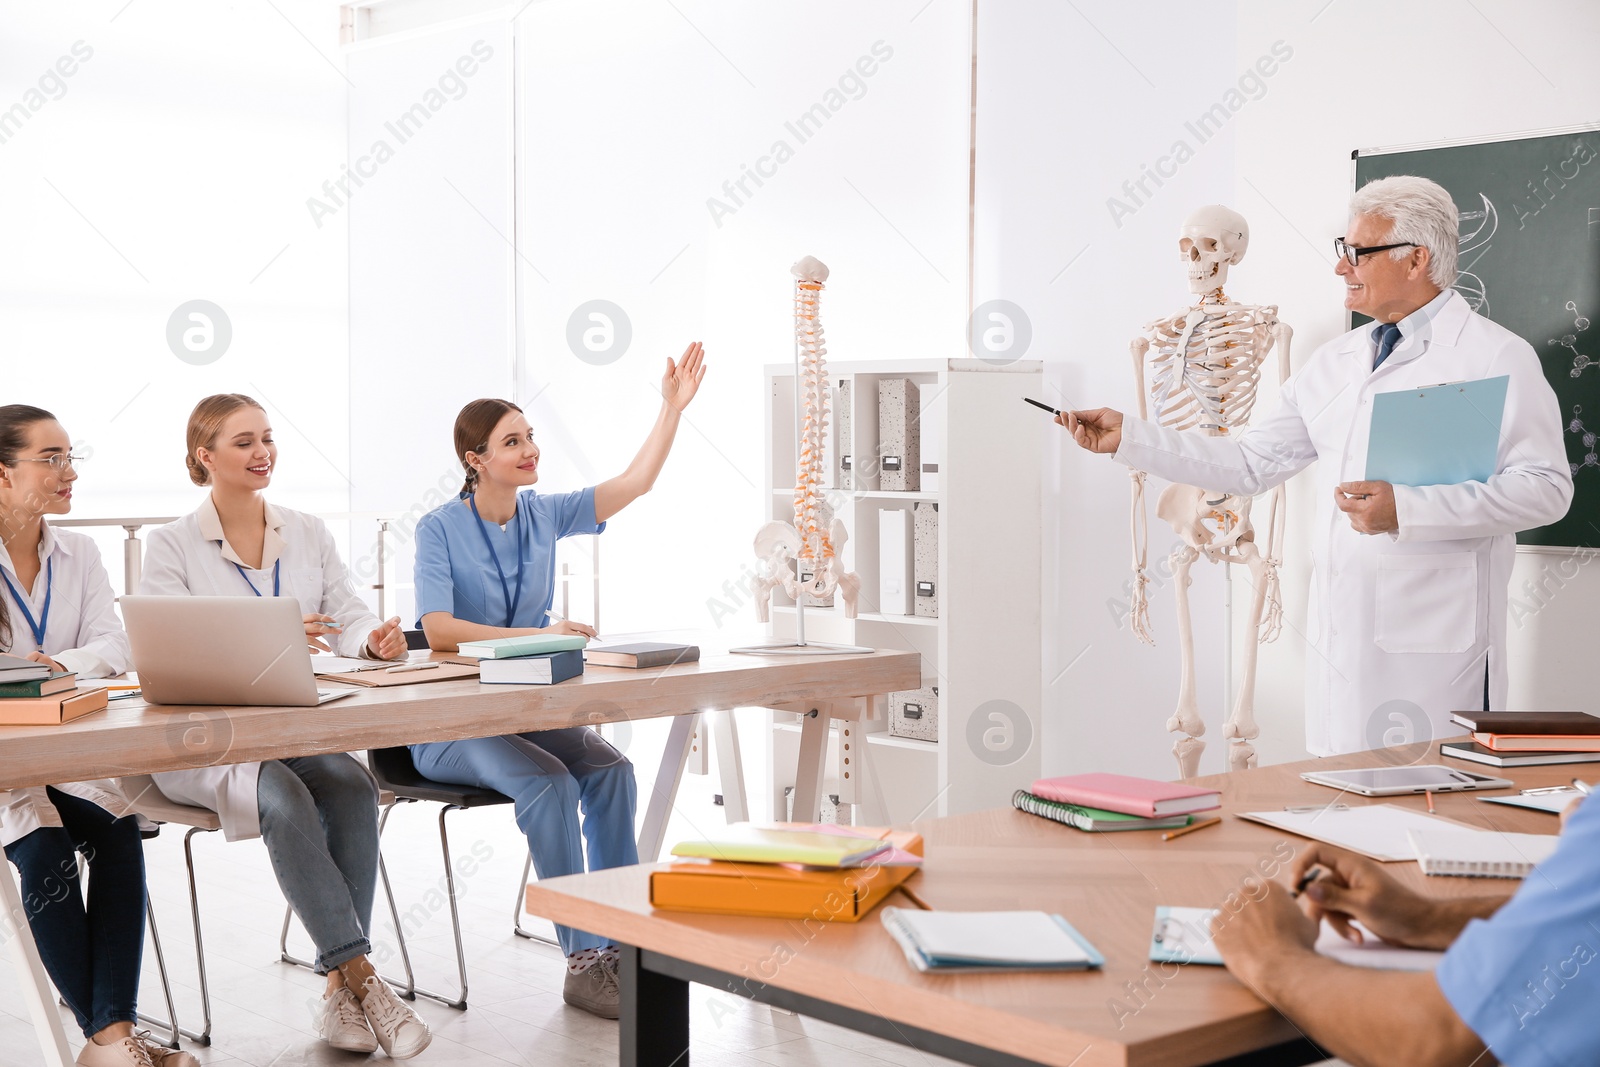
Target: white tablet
<point>1397,781</point>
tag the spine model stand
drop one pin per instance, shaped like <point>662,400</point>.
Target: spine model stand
<point>805,557</point>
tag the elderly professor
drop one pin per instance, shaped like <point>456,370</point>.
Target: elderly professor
<point>1409,583</point>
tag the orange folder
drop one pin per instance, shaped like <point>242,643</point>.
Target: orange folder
<point>783,891</point>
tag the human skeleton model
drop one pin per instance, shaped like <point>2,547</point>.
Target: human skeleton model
<point>815,538</point>
<point>1203,366</point>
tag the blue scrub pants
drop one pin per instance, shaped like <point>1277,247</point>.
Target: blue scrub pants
<point>549,774</point>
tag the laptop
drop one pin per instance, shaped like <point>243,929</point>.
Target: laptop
<point>223,650</point>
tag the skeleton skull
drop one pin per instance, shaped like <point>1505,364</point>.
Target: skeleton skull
<point>1212,239</point>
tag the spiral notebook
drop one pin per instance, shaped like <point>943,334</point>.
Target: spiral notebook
<point>1480,853</point>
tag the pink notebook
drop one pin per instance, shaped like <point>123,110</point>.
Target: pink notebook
<point>1128,795</point>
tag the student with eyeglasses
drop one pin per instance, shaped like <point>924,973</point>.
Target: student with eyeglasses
<point>317,815</point>
<point>57,608</point>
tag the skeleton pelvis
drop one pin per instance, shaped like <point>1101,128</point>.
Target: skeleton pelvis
<point>1206,519</point>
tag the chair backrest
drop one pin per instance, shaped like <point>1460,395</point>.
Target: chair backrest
<point>416,640</point>
<point>393,768</point>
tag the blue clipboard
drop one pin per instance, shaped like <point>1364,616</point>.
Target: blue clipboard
<point>1437,435</point>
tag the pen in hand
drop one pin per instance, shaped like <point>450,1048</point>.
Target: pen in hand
<point>1306,879</point>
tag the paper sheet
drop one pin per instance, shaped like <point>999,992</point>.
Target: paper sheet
<point>1377,831</point>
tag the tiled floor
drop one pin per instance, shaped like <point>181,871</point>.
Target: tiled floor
<point>262,1008</point>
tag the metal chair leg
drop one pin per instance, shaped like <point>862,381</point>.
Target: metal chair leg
<point>170,1023</point>
<point>406,989</point>
<point>204,1036</point>
<point>522,899</point>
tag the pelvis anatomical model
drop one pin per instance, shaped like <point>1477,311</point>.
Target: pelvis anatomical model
<point>815,539</point>
<point>1198,371</point>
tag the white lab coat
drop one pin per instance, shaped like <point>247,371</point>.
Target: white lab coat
<point>84,635</point>
<point>190,557</point>
<point>1412,616</point>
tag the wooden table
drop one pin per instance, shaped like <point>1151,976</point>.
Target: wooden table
<point>131,737</point>
<point>1132,1012</point>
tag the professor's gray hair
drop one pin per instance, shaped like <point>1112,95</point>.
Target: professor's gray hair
<point>1423,214</point>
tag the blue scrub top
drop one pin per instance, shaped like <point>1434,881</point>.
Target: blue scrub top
<point>455,573</point>
<point>1527,980</point>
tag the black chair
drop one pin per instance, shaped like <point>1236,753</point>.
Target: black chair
<point>396,772</point>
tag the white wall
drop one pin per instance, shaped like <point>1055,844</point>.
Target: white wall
<point>172,164</point>
<point>1500,67</point>
<point>634,115</point>
<point>431,267</point>
<point>1068,111</point>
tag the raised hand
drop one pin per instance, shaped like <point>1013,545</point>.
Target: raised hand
<point>682,379</point>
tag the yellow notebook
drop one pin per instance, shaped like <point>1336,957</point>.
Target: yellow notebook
<point>744,843</point>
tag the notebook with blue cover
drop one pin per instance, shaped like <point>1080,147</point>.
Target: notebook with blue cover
<point>982,941</point>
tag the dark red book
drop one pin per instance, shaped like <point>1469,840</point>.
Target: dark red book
<point>1528,722</point>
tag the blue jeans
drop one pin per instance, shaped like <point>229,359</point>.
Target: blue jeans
<point>319,819</point>
<point>92,951</point>
<point>549,774</point>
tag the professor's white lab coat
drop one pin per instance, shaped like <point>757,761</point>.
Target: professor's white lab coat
<point>1404,621</point>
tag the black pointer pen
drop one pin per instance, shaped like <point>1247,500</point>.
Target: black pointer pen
<point>1038,404</point>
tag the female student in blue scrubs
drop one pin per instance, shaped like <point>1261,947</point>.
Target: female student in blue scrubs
<point>485,568</point>
<point>56,608</point>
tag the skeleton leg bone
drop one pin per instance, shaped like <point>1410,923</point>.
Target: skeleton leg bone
<point>1241,726</point>
<point>1187,718</point>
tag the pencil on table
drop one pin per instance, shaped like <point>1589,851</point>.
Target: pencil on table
<point>1191,828</point>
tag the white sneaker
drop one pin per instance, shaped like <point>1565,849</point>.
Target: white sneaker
<point>400,1031</point>
<point>162,1056</point>
<point>342,1023</point>
<point>129,1052</point>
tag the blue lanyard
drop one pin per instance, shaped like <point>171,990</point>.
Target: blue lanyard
<point>37,628</point>
<point>505,589</point>
<point>275,565</point>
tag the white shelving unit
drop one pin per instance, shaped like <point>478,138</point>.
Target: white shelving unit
<point>983,651</point>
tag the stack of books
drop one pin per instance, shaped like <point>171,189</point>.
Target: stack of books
<point>534,659</point>
<point>32,695</point>
<point>788,871</point>
<point>1526,738</point>
<point>1100,803</point>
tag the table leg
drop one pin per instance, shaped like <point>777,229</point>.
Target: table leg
<point>654,1023</point>
<point>30,971</point>
<point>665,793</point>
<point>814,723</point>
<point>730,765</point>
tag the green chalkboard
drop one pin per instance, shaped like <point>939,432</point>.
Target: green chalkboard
<point>1530,260</point>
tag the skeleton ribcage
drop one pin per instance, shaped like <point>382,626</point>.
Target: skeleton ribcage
<point>1205,366</point>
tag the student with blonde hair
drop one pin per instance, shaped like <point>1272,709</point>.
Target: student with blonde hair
<point>318,815</point>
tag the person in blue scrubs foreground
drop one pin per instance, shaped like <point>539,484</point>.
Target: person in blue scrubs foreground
<point>485,568</point>
<point>1520,976</point>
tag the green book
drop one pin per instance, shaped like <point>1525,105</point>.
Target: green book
<point>59,682</point>
<point>527,645</point>
<point>1093,820</point>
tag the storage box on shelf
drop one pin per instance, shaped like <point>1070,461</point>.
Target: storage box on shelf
<point>973,608</point>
